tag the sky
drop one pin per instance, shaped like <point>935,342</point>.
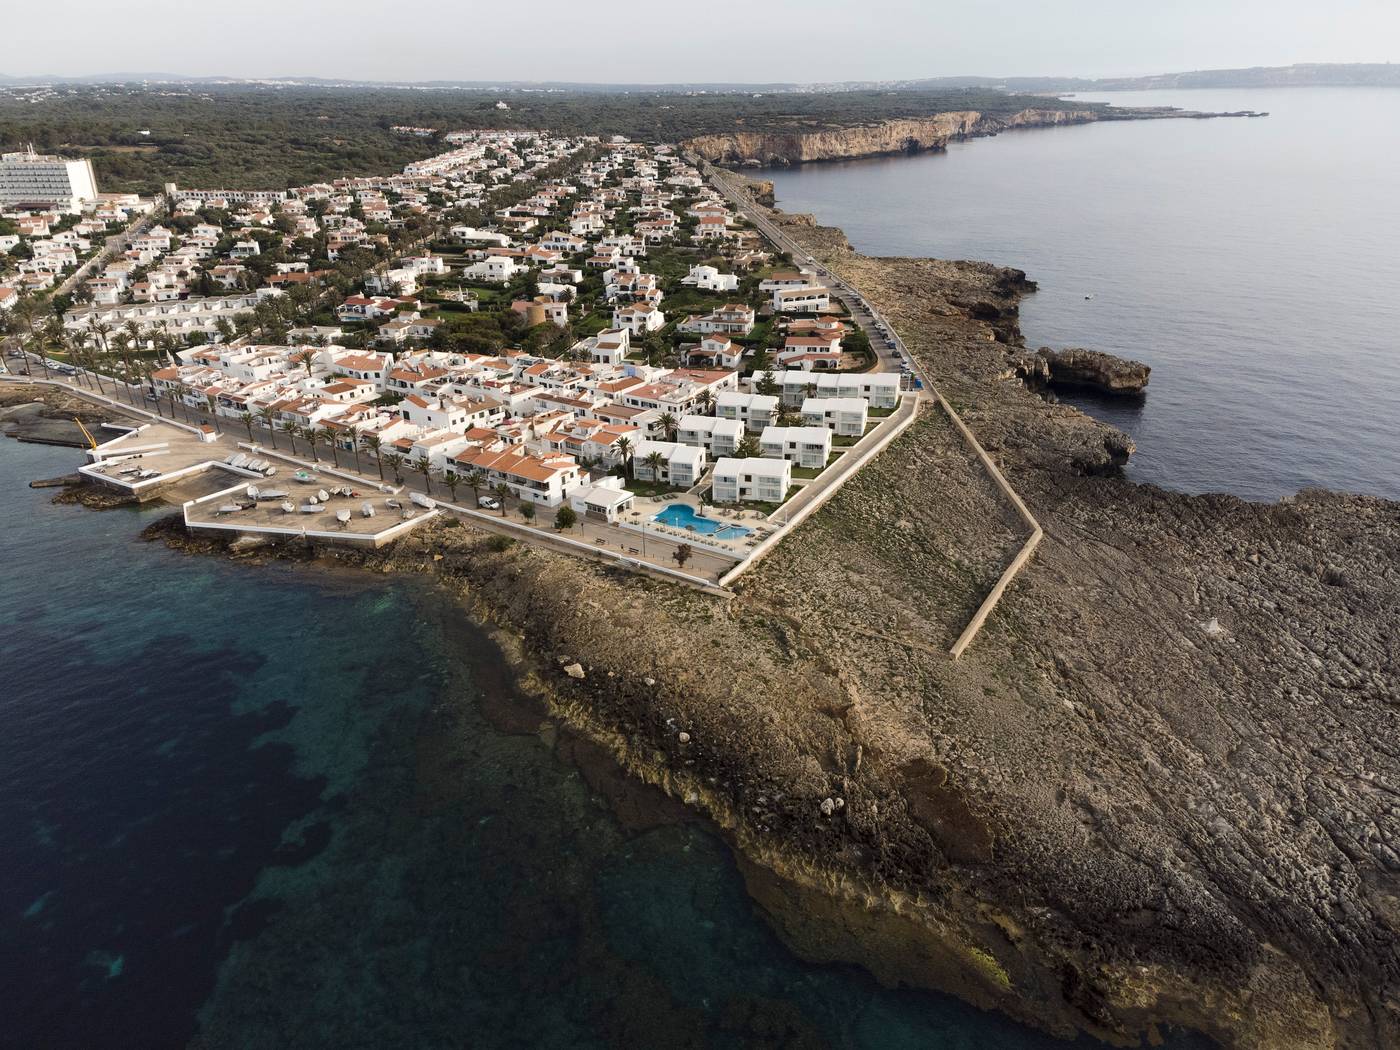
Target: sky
<point>665,41</point>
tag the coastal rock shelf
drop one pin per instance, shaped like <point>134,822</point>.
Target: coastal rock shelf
<point>1077,368</point>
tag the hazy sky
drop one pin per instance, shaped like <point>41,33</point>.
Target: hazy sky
<point>710,40</point>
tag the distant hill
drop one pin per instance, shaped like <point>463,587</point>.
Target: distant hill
<point>1301,75</point>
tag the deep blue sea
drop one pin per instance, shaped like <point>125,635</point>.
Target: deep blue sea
<point>272,806</point>
<point>1254,264</point>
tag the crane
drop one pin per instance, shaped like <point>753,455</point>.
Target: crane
<point>92,441</point>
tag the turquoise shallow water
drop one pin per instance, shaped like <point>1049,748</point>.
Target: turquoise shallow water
<point>265,807</point>
<point>1251,263</point>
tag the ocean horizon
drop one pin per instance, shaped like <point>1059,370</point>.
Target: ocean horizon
<point>1250,262</point>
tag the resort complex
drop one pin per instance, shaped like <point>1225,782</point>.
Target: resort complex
<point>582,342</point>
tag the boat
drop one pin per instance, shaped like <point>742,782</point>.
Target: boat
<point>309,508</point>
<point>253,492</point>
<point>229,508</point>
<point>408,512</point>
<point>367,509</point>
<point>426,502</point>
<point>269,494</point>
<point>288,507</point>
<point>393,504</point>
<point>239,460</point>
<point>343,516</point>
<point>323,496</point>
<point>304,477</point>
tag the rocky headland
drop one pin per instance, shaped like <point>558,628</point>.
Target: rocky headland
<point>1162,786</point>
<point>803,146</point>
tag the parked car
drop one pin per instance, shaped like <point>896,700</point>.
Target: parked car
<point>488,503</point>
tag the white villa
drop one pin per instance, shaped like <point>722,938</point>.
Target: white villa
<point>709,279</point>
<point>736,480</point>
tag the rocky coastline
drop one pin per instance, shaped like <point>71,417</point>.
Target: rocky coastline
<point>782,148</point>
<point>1160,789</point>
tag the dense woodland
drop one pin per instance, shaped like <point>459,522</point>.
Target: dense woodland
<point>248,137</point>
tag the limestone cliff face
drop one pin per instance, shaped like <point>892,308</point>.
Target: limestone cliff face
<point>890,136</point>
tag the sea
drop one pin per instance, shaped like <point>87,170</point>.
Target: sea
<point>1253,263</point>
<point>270,806</point>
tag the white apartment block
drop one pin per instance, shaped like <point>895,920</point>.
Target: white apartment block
<point>718,437</point>
<point>38,180</point>
<point>880,389</point>
<point>845,415</point>
<point>738,480</point>
<point>755,411</point>
<point>680,468</point>
<point>803,446</point>
<point>800,300</point>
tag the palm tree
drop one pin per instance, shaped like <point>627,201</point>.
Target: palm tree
<point>748,448</point>
<point>682,554</point>
<point>502,492</point>
<point>372,442</point>
<point>247,418</point>
<point>424,466</point>
<point>669,426</point>
<point>213,402</point>
<point>269,420</point>
<point>654,463</point>
<point>624,452</point>
<point>451,479</point>
<point>395,461</point>
<point>705,400</point>
<point>475,479</point>
<point>354,438</point>
<point>328,435</point>
<point>291,430</point>
<point>311,434</point>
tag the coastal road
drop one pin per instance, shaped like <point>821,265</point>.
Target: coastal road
<point>894,358</point>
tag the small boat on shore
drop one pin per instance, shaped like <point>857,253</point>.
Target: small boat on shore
<point>309,508</point>
<point>228,508</point>
<point>343,516</point>
<point>367,509</point>
<point>304,477</point>
<point>323,496</point>
<point>393,504</point>
<point>288,507</point>
<point>426,502</point>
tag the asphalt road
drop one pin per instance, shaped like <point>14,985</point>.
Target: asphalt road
<point>890,358</point>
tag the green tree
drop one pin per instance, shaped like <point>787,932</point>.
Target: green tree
<point>767,385</point>
<point>565,518</point>
<point>527,511</point>
<point>683,554</point>
<point>654,462</point>
<point>373,443</point>
<point>748,448</point>
<point>502,493</point>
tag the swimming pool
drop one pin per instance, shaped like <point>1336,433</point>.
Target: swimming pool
<point>683,516</point>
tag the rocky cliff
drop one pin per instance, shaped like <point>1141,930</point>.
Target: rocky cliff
<point>890,136</point>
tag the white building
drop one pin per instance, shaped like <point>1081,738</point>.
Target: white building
<point>755,411</point>
<point>880,389</point>
<point>605,500</point>
<point>844,415</point>
<point>681,465</point>
<point>803,446</point>
<point>801,300</point>
<point>737,480</point>
<point>38,180</point>
<point>709,279</point>
<point>718,437</point>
